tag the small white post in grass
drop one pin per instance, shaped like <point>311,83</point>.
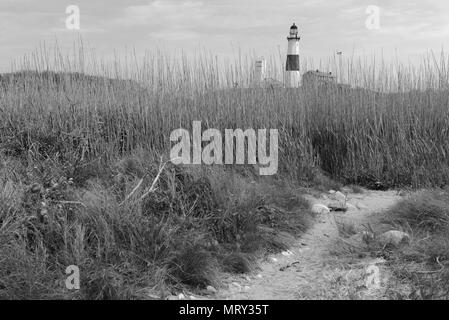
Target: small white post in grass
<point>259,71</point>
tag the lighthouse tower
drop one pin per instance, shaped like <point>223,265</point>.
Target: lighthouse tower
<point>292,75</point>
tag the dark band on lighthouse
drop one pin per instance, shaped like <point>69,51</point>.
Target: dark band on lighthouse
<point>292,62</point>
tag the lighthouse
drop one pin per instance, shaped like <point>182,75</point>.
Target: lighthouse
<point>292,75</point>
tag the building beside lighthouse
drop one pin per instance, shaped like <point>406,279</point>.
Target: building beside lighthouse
<point>292,74</point>
<point>318,78</point>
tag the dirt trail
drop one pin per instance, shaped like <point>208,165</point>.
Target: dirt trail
<point>309,270</point>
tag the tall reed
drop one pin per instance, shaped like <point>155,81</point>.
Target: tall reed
<point>390,128</point>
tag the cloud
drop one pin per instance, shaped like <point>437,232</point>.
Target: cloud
<point>220,26</point>
<point>167,13</point>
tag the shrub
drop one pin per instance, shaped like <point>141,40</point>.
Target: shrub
<point>425,262</point>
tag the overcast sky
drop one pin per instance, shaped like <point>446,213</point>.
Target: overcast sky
<point>222,27</point>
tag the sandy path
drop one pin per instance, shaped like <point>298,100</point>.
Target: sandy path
<point>311,271</point>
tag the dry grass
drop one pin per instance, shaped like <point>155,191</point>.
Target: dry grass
<point>79,155</point>
<point>193,225</point>
<point>425,263</point>
<point>422,265</point>
<point>393,133</point>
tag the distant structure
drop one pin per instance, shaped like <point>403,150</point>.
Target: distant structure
<point>260,71</point>
<point>260,79</point>
<point>292,75</point>
<point>340,66</point>
<point>318,78</point>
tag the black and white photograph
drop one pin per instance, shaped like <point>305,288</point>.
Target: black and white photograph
<point>220,158</point>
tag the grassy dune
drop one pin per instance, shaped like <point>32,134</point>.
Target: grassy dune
<point>395,134</point>
<point>80,153</point>
<point>196,224</point>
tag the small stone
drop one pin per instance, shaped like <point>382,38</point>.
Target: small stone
<point>35,188</point>
<point>394,237</point>
<point>340,197</point>
<point>259,276</point>
<point>287,253</point>
<point>378,261</point>
<point>211,289</point>
<point>320,209</point>
<point>237,286</point>
<point>247,278</point>
<point>153,296</point>
<point>181,296</point>
<point>361,206</point>
<point>332,191</point>
<point>274,259</point>
<point>351,207</point>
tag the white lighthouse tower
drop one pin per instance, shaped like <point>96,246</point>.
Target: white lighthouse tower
<point>292,75</point>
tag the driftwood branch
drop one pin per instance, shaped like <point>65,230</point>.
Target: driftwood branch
<point>133,191</point>
<point>153,184</point>
<point>71,202</point>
